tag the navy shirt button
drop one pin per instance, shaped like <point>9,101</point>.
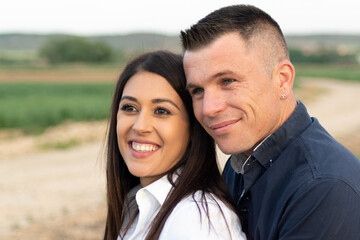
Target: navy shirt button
<point>244,210</point>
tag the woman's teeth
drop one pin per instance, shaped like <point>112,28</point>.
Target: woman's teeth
<point>143,147</point>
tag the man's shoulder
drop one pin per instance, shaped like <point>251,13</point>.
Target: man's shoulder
<point>326,157</point>
<point>321,149</point>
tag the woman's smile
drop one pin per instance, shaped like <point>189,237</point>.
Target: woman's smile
<point>141,147</point>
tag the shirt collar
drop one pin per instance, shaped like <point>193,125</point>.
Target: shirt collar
<point>239,160</point>
<point>271,147</point>
<point>160,188</point>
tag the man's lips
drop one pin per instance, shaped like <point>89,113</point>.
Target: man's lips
<point>222,127</point>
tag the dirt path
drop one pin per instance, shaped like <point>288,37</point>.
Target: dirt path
<point>42,188</point>
<point>337,108</point>
<point>60,194</point>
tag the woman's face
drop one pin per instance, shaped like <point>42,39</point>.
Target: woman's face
<point>152,126</point>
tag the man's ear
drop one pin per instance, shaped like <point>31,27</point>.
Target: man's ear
<point>286,75</point>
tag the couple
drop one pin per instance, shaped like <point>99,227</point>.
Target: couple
<point>287,178</point>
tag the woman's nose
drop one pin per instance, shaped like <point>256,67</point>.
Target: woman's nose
<point>142,123</point>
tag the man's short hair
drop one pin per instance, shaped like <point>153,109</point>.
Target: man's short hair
<point>249,21</point>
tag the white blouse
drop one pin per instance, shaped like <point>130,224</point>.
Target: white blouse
<point>185,222</point>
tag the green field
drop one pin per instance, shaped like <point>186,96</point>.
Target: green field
<point>34,102</point>
<point>341,72</point>
<point>34,106</point>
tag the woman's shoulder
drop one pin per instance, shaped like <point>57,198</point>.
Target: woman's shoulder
<point>200,205</point>
<point>207,200</point>
<point>202,216</point>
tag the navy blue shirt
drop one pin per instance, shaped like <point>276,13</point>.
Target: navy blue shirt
<point>300,183</point>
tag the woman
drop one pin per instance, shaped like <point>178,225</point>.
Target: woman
<point>162,177</point>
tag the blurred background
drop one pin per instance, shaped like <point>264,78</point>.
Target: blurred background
<point>59,61</point>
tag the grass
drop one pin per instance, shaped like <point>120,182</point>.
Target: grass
<point>33,107</point>
<point>31,101</point>
<point>340,72</point>
<point>40,67</point>
<point>60,145</point>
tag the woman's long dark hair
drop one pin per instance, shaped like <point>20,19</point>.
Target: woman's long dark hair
<point>199,167</point>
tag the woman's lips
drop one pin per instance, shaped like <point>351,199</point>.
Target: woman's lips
<point>141,149</point>
<point>144,147</point>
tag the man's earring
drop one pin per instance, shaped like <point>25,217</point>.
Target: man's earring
<point>283,96</point>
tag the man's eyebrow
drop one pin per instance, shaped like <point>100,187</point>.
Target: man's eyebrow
<point>216,75</point>
<point>222,73</point>
<point>191,85</point>
<point>160,100</point>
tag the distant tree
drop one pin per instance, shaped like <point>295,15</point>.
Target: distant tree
<point>321,56</point>
<point>76,49</point>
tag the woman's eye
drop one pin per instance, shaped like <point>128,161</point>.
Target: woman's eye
<point>128,108</point>
<point>162,111</point>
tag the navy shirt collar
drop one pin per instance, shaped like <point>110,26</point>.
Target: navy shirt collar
<point>272,147</point>
<point>269,150</point>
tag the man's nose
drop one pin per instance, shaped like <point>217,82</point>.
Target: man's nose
<point>213,103</point>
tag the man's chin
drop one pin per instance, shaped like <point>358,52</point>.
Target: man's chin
<point>226,149</point>
<point>230,148</point>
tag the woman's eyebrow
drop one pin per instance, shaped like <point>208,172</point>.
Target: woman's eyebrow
<point>129,98</point>
<point>160,100</point>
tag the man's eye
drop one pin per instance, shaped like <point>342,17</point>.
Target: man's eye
<point>162,111</point>
<point>196,91</point>
<point>228,81</point>
<point>128,108</point>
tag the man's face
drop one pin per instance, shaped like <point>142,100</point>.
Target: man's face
<point>235,98</point>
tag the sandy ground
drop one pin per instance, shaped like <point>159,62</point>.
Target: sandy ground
<point>60,194</point>
<point>48,189</point>
<point>53,194</point>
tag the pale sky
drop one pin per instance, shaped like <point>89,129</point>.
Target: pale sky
<point>88,17</point>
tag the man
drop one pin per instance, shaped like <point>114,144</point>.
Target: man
<point>289,178</point>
